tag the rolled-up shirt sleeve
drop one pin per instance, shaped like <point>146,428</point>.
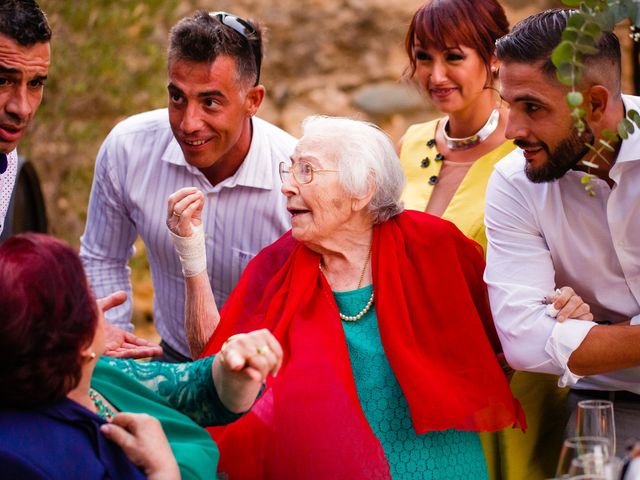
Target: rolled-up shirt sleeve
<point>519,274</point>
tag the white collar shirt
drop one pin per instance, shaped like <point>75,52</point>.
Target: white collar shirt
<point>139,165</point>
<point>543,236</point>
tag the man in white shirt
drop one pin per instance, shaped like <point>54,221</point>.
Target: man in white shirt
<point>208,138</point>
<point>545,231</point>
<point>24,65</point>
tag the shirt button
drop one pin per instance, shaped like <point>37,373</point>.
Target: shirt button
<point>433,180</point>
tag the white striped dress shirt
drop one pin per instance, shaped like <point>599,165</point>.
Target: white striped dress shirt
<point>139,165</point>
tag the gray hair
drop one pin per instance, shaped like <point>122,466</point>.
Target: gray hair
<point>364,154</point>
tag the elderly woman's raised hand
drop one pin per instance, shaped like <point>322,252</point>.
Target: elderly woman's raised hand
<point>184,221</point>
<point>242,365</point>
<point>184,210</point>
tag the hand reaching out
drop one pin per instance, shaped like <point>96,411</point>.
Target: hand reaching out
<point>120,343</point>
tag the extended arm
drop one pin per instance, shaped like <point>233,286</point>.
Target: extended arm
<point>212,391</point>
<point>519,274</point>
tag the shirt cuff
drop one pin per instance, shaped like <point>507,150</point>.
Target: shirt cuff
<point>565,338</point>
<point>635,320</point>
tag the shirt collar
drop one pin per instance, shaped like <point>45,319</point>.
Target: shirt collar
<point>255,171</point>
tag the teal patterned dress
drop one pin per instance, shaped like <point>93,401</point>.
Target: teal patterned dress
<point>450,454</point>
<point>181,395</point>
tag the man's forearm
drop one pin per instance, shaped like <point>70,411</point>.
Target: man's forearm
<point>606,348</point>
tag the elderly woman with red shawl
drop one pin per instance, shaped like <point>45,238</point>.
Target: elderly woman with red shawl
<point>389,363</point>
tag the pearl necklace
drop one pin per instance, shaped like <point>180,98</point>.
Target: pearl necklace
<point>473,140</point>
<point>104,411</point>
<point>360,314</point>
<point>367,307</point>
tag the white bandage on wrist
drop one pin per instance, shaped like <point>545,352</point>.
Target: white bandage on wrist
<point>191,250</point>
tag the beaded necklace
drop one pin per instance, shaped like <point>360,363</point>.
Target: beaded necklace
<point>104,411</point>
<point>460,143</point>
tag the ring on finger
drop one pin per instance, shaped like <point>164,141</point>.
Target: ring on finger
<point>262,350</point>
<point>176,214</point>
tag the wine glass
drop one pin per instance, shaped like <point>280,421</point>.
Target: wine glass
<point>595,419</point>
<point>584,456</point>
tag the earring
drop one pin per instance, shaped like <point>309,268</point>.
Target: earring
<point>92,356</point>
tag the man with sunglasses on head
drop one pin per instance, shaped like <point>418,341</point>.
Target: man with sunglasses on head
<point>208,138</point>
<point>24,66</point>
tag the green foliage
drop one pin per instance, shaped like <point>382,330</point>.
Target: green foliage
<point>579,38</point>
<point>108,61</point>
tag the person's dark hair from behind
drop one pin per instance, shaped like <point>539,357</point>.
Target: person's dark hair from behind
<point>48,315</point>
<point>533,39</point>
<point>449,23</point>
<point>24,21</point>
<point>204,36</point>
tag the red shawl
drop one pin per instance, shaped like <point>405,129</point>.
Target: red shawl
<point>436,329</point>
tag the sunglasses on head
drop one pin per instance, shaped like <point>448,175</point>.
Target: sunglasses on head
<point>245,29</point>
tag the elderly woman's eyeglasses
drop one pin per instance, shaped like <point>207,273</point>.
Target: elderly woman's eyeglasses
<point>245,29</point>
<point>302,172</point>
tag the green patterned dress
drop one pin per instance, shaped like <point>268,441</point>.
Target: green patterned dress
<point>449,454</point>
<point>181,396</point>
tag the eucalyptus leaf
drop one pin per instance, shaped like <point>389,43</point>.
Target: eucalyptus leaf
<point>567,74</point>
<point>574,99</point>
<point>586,49</point>
<point>634,116</point>
<point>592,29</point>
<point>585,179</point>
<point>563,53</point>
<point>606,145</point>
<point>576,20</point>
<point>605,20</point>
<point>622,131</point>
<point>589,164</point>
<point>610,135</point>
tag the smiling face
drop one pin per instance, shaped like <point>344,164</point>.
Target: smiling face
<point>23,71</point>
<point>320,209</point>
<point>209,113</point>
<point>540,122</point>
<point>453,78</point>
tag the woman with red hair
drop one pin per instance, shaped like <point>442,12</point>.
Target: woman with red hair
<point>61,402</point>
